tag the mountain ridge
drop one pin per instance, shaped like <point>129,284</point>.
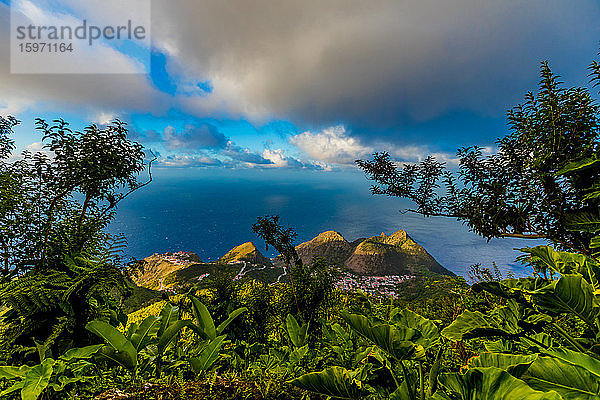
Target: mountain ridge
<point>395,254</point>
<point>383,255</point>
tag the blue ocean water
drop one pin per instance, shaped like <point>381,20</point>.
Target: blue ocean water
<point>209,211</point>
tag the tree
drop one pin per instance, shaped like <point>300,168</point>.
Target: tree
<point>518,191</point>
<point>58,203</point>
<point>311,285</point>
<point>59,268</point>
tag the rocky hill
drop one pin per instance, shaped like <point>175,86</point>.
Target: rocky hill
<point>245,252</point>
<point>329,245</point>
<point>396,254</point>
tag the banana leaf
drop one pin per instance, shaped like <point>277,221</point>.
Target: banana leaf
<point>203,318</point>
<point>233,315</point>
<point>208,355</point>
<point>296,332</point>
<point>146,332</point>
<point>124,353</point>
<point>169,334</point>
<point>168,315</point>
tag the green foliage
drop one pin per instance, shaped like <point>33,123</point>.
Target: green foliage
<point>208,355</point>
<point>58,269</point>
<point>334,381</point>
<point>146,342</point>
<point>488,383</point>
<point>298,334</point>
<point>121,350</point>
<point>541,183</point>
<point>54,374</point>
<point>53,306</point>
<point>204,321</point>
<point>393,340</point>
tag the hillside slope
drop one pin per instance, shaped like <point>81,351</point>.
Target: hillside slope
<point>245,252</point>
<point>157,266</point>
<point>396,254</point>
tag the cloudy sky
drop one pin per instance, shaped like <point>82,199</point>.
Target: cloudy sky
<point>309,84</point>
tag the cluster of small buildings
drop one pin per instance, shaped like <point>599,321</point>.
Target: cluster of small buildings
<point>178,258</point>
<point>374,285</point>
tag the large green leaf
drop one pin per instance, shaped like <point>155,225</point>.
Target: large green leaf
<point>334,381</point>
<point>576,358</point>
<point>37,380</point>
<point>203,318</point>
<point>298,354</point>
<point>406,318</point>
<point>13,388</point>
<point>395,341</point>
<point>233,315</point>
<point>570,381</point>
<point>125,354</point>
<point>586,221</point>
<point>208,355</point>
<point>490,384</point>
<point>169,334</point>
<point>10,372</point>
<point>296,333</point>
<point>578,165</point>
<point>472,324</point>
<point>537,342</point>
<point>571,294</point>
<point>168,315</point>
<point>146,332</point>
<point>514,364</point>
<point>81,352</point>
<point>566,263</point>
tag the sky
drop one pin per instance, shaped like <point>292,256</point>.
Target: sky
<point>308,84</point>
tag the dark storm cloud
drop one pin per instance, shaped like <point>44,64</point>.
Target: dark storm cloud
<point>381,64</point>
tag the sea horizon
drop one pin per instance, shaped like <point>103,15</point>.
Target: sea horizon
<point>210,211</point>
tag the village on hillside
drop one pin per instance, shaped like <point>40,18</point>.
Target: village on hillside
<point>373,285</point>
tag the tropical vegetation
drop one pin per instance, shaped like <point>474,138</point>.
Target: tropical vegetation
<point>64,282</point>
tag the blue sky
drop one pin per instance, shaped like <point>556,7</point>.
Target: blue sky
<point>313,84</point>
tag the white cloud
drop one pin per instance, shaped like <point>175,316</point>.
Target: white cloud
<point>277,157</point>
<point>184,160</point>
<point>317,63</point>
<point>91,94</point>
<point>104,118</point>
<point>280,160</point>
<point>331,145</point>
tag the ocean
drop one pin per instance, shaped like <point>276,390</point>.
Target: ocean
<point>209,211</point>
